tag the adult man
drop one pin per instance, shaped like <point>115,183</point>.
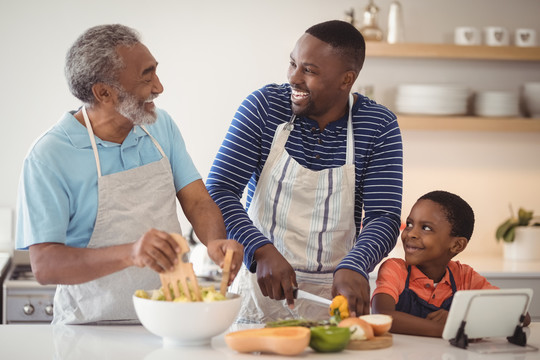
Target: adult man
<point>315,157</point>
<point>97,194</point>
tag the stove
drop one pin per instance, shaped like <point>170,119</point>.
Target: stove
<point>24,299</point>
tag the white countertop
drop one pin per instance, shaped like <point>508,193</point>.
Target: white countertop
<point>80,342</point>
<point>497,266</point>
<point>487,266</point>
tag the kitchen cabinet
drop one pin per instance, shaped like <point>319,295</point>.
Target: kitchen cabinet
<point>456,52</point>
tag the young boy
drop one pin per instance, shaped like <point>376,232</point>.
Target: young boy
<point>417,292</point>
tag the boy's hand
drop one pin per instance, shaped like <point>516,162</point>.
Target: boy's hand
<point>439,316</point>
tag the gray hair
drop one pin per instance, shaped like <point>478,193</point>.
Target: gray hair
<point>93,59</point>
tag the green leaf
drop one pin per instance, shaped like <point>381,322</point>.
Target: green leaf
<point>510,235</point>
<point>524,216</point>
<point>505,227</point>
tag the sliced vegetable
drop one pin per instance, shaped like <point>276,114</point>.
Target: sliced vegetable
<point>329,338</point>
<point>208,293</point>
<point>360,329</point>
<point>380,323</point>
<point>289,341</point>
<point>142,294</point>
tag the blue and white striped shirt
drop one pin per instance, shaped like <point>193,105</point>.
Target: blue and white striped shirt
<point>378,168</point>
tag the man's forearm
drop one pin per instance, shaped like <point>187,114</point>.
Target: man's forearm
<point>207,222</point>
<point>54,263</point>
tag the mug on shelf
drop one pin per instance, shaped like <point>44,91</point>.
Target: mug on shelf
<point>466,35</point>
<point>496,36</point>
<point>525,37</point>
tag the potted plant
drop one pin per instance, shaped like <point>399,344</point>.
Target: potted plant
<point>520,236</point>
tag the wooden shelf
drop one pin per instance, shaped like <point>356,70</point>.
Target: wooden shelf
<point>468,123</point>
<point>450,51</point>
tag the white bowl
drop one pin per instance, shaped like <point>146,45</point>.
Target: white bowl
<point>187,323</point>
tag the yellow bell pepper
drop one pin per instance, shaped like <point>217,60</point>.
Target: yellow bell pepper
<point>339,307</point>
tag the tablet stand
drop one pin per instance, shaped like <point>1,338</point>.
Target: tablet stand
<point>519,337</point>
<point>462,340</point>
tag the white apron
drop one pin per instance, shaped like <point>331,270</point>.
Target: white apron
<point>309,217</point>
<point>130,203</point>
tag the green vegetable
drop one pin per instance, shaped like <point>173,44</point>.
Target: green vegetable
<point>294,322</point>
<point>329,338</point>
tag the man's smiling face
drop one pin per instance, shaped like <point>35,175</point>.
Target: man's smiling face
<point>316,74</point>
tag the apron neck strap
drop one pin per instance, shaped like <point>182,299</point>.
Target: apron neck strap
<point>350,135</point>
<point>92,139</point>
<point>153,140</point>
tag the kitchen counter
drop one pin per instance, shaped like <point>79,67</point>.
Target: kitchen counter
<point>134,342</point>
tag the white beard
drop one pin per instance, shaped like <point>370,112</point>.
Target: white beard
<point>132,109</point>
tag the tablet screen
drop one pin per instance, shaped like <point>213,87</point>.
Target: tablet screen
<point>487,313</point>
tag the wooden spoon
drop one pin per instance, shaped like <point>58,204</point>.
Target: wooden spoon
<point>226,271</point>
<point>182,273</point>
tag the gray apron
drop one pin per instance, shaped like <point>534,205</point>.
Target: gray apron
<point>130,203</point>
<point>309,217</point>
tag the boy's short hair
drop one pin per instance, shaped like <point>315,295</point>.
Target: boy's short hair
<point>458,212</point>
<point>344,38</point>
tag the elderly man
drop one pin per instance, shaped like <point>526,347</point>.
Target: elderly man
<point>323,169</point>
<point>97,197</point>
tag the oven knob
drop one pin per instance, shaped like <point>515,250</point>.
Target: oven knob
<point>49,309</point>
<point>28,309</point>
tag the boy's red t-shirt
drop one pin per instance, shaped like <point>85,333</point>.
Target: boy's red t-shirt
<point>393,274</point>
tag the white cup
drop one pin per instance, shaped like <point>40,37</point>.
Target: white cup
<point>466,35</point>
<point>496,36</point>
<point>525,37</point>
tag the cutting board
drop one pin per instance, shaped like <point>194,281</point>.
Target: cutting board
<point>378,342</point>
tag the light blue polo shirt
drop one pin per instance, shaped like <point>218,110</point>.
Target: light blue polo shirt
<point>58,195</point>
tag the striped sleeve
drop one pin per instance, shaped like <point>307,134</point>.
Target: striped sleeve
<point>237,161</point>
<point>380,186</point>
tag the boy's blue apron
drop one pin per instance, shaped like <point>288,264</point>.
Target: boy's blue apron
<point>412,304</point>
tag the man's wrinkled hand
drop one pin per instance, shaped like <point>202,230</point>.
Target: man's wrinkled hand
<point>156,250</point>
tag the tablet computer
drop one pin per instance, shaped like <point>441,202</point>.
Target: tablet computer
<point>487,313</point>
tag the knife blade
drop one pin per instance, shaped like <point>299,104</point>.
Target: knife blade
<point>301,294</point>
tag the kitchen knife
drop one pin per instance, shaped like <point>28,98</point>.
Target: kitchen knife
<point>301,294</point>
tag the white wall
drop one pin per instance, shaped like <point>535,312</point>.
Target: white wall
<point>213,53</point>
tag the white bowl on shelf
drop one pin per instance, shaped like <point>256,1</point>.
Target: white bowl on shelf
<point>531,96</point>
<point>187,323</point>
<point>496,104</point>
<point>432,99</point>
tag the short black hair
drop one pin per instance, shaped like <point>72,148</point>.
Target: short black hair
<point>344,38</point>
<point>458,212</point>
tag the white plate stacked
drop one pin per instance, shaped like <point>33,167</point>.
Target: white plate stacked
<point>496,103</point>
<point>432,99</point>
<point>531,95</point>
